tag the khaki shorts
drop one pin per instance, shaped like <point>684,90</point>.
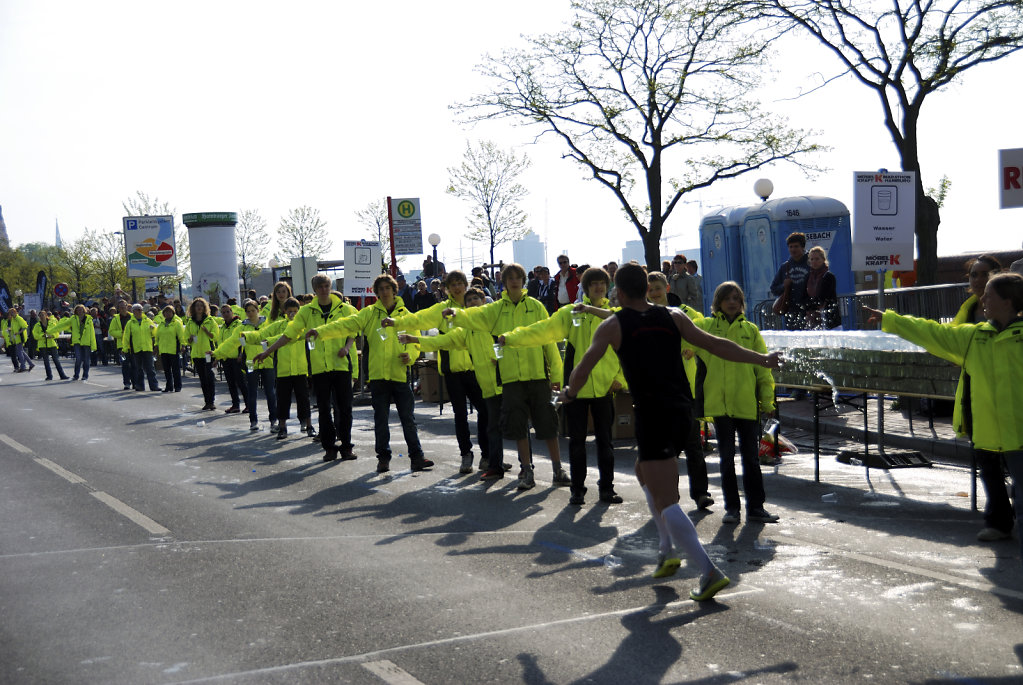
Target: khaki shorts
<point>525,400</point>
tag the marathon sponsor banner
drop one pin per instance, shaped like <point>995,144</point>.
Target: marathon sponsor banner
<point>1010,178</point>
<point>362,266</point>
<point>41,281</point>
<point>5,297</point>
<point>884,221</point>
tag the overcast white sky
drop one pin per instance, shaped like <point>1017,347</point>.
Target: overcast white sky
<point>228,105</point>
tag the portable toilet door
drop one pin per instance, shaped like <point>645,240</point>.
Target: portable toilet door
<point>720,250</point>
<point>824,220</point>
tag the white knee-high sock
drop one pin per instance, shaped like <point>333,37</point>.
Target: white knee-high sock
<point>664,543</point>
<point>683,532</point>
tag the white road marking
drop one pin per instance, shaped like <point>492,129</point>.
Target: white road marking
<point>459,639</point>
<point>133,515</point>
<point>59,470</point>
<point>15,444</point>
<point>390,673</point>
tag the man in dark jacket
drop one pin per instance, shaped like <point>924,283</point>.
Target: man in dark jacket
<point>792,277</point>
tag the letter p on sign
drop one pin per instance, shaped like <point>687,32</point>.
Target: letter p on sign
<point>1010,177</point>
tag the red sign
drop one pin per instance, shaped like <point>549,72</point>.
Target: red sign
<point>60,290</point>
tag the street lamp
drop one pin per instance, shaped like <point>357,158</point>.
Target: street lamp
<point>763,188</point>
<point>435,241</point>
<point>17,296</point>
<point>74,296</point>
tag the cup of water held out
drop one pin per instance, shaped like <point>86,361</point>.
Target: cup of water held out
<point>250,365</point>
<point>382,332</point>
<point>499,350</point>
<point>577,318</point>
<point>310,344</point>
<point>209,357</point>
<point>401,333</point>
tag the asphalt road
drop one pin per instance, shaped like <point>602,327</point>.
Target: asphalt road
<point>139,547</point>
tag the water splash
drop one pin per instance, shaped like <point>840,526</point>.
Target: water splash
<point>818,373</point>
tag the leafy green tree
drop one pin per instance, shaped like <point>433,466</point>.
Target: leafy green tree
<point>635,88</point>
<point>902,51</point>
<point>302,233</point>
<point>488,180</point>
<point>111,266</point>
<point>253,244</point>
<point>78,267</point>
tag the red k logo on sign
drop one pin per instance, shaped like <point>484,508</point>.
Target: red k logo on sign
<point>893,260</point>
<point>878,178</point>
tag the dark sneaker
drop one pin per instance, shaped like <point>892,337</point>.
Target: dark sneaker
<point>731,516</point>
<point>310,431</point>
<point>282,433</point>
<point>710,585</point>
<point>761,515</point>
<point>704,501</point>
<point>383,465</point>
<point>232,410</point>
<point>992,535</point>
<point>421,464</point>
<point>274,427</point>
<point>490,474</point>
<point>577,499</point>
<point>254,426</point>
<point>330,455</point>
<point>526,480</point>
<point>347,454</point>
<point>561,478</point>
<point>610,497</point>
<point>466,466</point>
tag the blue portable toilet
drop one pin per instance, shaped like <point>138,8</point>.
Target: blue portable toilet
<point>720,250</point>
<point>824,220</point>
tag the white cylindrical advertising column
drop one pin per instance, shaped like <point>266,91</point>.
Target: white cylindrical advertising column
<point>214,255</point>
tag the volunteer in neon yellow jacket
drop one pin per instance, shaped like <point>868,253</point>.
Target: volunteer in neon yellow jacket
<point>170,338</point>
<point>455,366</point>
<point>594,398</point>
<point>695,370</point>
<point>116,331</point>
<point>15,337</point>
<point>389,364</point>
<point>331,367</point>
<point>998,518</point>
<point>292,369</point>
<point>991,354</point>
<point>228,353</point>
<point>202,333</point>
<point>83,339</point>
<point>527,374</point>
<point>139,336</point>
<point>257,370</point>
<point>480,348</point>
<point>736,395</point>
<point>46,343</point>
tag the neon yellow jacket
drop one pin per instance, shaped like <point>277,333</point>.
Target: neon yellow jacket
<point>324,357</point>
<point>384,362</point>
<point>116,331</point>
<point>229,341</point>
<point>139,335</point>
<point>15,331</point>
<point>958,420</point>
<point>480,348</point>
<point>251,348</point>
<point>994,361</point>
<point>454,359</point>
<point>206,334</point>
<point>560,327</point>
<point>40,335</point>
<point>732,388</point>
<point>170,335</point>
<point>81,333</point>
<point>291,359</point>
<point>503,316</point>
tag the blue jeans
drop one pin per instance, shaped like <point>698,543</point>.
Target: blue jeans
<point>83,355</point>
<point>382,394</point>
<point>47,353</point>
<point>269,377</point>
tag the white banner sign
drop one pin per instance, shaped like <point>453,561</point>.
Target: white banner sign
<point>149,246</point>
<point>362,266</point>
<point>884,219</point>
<point>407,226</point>
<point>1010,177</point>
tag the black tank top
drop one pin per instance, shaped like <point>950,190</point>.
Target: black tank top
<point>651,357</point>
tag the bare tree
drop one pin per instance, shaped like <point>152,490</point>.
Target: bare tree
<point>374,217</point>
<point>111,265</point>
<point>77,265</point>
<point>302,234</point>
<point>488,180</point>
<point>253,243</point>
<point>635,87</point>
<point>903,51</point>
